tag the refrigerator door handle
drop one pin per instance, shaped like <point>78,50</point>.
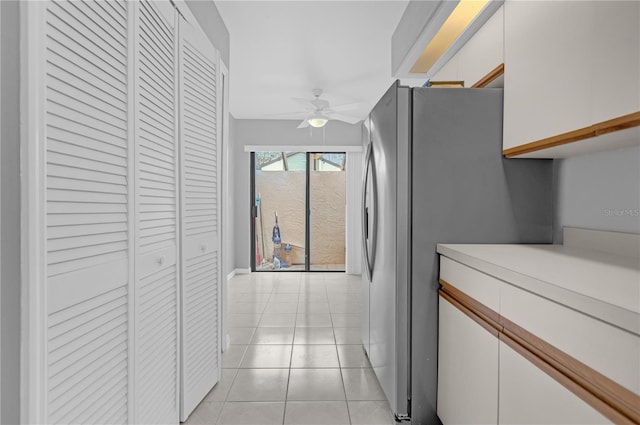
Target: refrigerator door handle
<point>369,255</point>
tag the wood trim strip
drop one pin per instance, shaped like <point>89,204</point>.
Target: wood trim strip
<point>610,399</point>
<point>492,75</point>
<point>485,313</point>
<point>492,330</point>
<point>605,389</point>
<point>604,127</point>
<point>619,123</point>
<point>587,396</point>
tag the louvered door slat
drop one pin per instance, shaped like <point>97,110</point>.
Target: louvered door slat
<point>202,303</point>
<point>199,203</point>
<point>157,216</point>
<point>71,66</point>
<point>69,138</point>
<point>87,211</point>
<point>92,34</point>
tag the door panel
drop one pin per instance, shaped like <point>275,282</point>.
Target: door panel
<point>156,290</point>
<point>280,186</point>
<point>200,218</point>
<point>383,308</point>
<point>87,212</point>
<point>327,211</point>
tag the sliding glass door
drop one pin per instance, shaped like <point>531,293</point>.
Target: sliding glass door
<point>298,211</point>
<point>327,201</point>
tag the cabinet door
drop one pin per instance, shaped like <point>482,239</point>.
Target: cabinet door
<point>156,289</point>
<point>467,369</point>
<point>87,213</point>
<point>616,59</point>
<point>200,217</point>
<point>530,396</point>
<point>569,66</point>
<point>547,69</point>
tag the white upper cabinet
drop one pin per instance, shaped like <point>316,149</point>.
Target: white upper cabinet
<point>570,67</point>
<point>615,87</point>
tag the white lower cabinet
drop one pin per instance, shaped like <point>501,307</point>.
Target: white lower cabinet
<point>482,379</point>
<point>467,369</point>
<point>528,395</point>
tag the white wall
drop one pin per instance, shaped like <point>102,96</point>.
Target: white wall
<point>10,214</point>
<point>273,133</point>
<point>211,22</point>
<point>598,191</point>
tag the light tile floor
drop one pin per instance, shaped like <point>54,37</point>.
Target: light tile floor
<point>296,355</point>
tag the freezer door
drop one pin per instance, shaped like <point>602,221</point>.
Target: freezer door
<point>388,344</point>
<point>368,215</point>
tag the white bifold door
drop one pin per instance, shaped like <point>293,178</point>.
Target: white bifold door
<point>122,256</point>
<point>86,211</point>
<point>199,164</point>
<point>156,332</point>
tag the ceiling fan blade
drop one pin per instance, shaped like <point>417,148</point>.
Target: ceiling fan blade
<point>306,103</point>
<point>304,124</point>
<point>320,103</point>
<point>342,117</point>
<point>296,114</point>
<point>348,106</point>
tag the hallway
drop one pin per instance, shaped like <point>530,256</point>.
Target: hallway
<point>295,355</point>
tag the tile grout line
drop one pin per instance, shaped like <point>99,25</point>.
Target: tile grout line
<point>295,322</point>
<point>344,388</point>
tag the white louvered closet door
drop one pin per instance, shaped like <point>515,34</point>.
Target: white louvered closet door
<point>156,284</point>
<point>200,214</point>
<point>87,213</point>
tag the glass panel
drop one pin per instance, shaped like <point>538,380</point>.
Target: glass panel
<point>280,186</point>
<point>327,200</point>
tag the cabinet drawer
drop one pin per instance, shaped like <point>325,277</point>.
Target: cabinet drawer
<point>605,348</point>
<point>467,369</point>
<point>479,286</point>
<point>528,395</point>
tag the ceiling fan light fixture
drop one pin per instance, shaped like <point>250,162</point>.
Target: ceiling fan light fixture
<point>317,121</point>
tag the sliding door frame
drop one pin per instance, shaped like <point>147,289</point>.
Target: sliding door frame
<point>307,226</point>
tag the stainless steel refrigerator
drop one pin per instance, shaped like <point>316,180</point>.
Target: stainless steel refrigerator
<point>434,172</point>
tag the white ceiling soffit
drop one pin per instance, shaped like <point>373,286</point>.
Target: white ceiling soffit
<point>284,49</point>
<point>419,24</point>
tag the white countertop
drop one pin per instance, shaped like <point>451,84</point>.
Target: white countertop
<point>600,284</point>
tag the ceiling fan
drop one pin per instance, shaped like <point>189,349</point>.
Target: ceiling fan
<point>318,111</point>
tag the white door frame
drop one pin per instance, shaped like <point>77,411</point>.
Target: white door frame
<point>225,252</point>
<point>33,227</point>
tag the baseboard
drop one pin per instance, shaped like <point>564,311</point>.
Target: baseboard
<point>237,271</point>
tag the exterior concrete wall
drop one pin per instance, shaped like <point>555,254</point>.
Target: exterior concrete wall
<point>327,220</point>
<point>282,191</point>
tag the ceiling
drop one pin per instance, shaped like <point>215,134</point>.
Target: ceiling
<point>284,49</point>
